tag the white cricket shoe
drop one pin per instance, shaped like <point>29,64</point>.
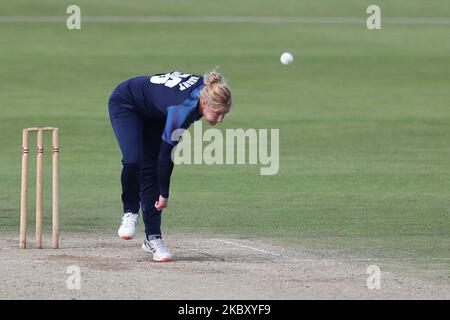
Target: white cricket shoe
<point>127,229</point>
<point>159,249</point>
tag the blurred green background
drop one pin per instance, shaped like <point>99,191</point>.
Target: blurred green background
<point>363,118</point>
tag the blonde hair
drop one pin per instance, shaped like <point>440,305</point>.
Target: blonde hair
<point>216,92</point>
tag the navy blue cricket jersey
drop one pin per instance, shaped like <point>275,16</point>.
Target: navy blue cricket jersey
<point>171,97</point>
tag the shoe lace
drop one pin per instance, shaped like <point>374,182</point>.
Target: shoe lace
<point>160,245</point>
<point>128,220</point>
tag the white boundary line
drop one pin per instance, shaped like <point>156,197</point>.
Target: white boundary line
<point>223,19</point>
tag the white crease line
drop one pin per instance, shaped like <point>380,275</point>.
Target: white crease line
<point>367,259</point>
<point>252,248</point>
<point>289,259</point>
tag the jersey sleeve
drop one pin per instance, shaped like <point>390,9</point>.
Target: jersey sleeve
<point>178,117</point>
<point>165,168</point>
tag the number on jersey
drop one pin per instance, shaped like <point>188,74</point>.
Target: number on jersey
<point>172,79</point>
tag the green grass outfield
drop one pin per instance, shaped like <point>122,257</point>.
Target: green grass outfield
<point>363,118</point>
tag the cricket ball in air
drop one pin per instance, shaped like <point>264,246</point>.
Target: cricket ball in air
<point>286,58</point>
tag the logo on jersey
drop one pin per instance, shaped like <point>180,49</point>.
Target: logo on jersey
<point>170,80</point>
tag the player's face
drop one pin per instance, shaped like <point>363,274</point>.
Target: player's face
<point>213,116</point>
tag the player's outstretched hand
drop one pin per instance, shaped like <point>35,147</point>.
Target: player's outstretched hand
<point>161,203</point>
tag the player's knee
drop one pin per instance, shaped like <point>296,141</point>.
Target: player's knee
<point>131,162</point>
<point>149,173</point>
<point>132,167</point>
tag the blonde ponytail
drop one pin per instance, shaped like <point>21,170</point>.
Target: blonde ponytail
<point>216,92</point>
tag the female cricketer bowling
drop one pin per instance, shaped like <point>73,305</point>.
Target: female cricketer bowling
<point>144,111</point>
